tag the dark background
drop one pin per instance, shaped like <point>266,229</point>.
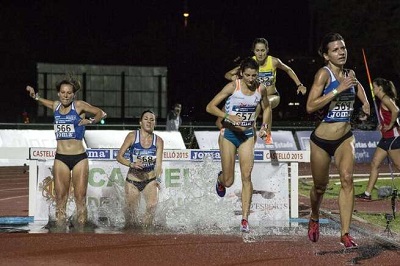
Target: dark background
<point>153,33</point>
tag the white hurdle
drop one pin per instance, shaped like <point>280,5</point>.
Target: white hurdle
<point>267,164</point>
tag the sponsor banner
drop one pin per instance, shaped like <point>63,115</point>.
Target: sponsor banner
<point>365,143</point>
<point>286,156</point>
<point>178,155</point>
<point>42,153</point>
<point>94,154</point>
<point>100,154</point>
<point>203,154</point>
<point>282,140</point>
<point>187,195</point>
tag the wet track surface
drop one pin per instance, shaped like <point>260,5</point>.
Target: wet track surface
<point>27,243</point>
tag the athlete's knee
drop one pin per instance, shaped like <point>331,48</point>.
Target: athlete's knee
<point>151,207</point>
<point>320,188</point>
<point>246,179</point>
<point>346,180</point>
<point>346,176</point>
<point>228,183</point>
<point>274,102</point>
<point>80,199</point>
<point>226,179</point>
<point>61,197</point>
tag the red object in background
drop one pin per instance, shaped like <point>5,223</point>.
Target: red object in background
<point>25,117</point>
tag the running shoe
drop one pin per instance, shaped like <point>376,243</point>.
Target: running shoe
<point>244,226</point>
<point>221,190</point>
<point>268,139</point>
<point>363,196</point>
<point>313,230</point>
<point>347,241</point>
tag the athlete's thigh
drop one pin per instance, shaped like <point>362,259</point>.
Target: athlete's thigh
<point>274,100</point>
<point>150,193</point>
<point>345,156</point>
<point>246,155</point>
<point>395,157</point>
<point>380,155</point>
<point>132,194</point>
<point>80,174</point>
<point>320,162</point>
<point>62,175</point>
<point>228,156</point>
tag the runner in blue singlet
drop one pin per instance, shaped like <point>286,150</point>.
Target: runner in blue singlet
<point>334,90</point>
<point>71,162</point>
<point>145,161</point>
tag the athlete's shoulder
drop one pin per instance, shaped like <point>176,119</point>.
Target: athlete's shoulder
<point>322,75</point>
<point>159,139</point>
<point>55,105</point>
<point>231,86</point>
<point>323,71</point>
<point>274,60</point>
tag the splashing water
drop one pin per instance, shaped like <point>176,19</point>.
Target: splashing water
<point>198,208</point>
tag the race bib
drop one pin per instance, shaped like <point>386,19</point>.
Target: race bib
<point>266,78</point>
<point>64,130</point>
<point>149,161</point>
<point>246,113</point>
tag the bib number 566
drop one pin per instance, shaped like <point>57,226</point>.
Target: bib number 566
<point>63,128</point>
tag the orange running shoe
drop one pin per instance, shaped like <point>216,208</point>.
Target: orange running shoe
<point>268,139</point>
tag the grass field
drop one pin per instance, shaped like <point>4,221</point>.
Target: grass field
<point>360,186</point>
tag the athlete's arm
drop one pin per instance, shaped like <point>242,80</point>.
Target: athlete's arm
<point>159,154</point>
<point>279,64</point>
<point>85,107</point>
<point>212,106</point>
<point>48,103</point>
<point>267,114</point>
<point>219,120</point>
<point>315,99</point>
<point>129,139</point>
<point>361,94</point>
<point>232,74</point>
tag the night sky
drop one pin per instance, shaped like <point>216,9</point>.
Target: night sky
<point>149,33</point>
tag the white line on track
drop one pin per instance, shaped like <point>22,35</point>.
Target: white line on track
<point>10,189</point>
<point>12,184</point>
<point>14,178</point>
<point>24,196</point>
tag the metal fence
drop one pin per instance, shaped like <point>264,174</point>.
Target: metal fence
<point>121,91</point>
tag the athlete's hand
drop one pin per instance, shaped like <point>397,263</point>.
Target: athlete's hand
<point>302,89</point>
<point>84,122</point>
<point>234,119</point>
<point>348,82</point>
<point>386,127</point>
<point>138,164</point>
<point>264,131</point>
<point>366,109</point>
<point>31,91</point>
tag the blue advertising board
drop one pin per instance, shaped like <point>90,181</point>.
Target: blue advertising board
<point>365,145</point>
